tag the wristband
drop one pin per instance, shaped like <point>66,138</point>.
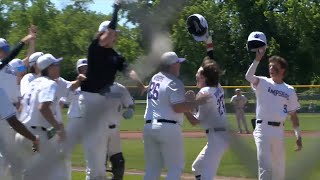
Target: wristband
<point>297,132</point>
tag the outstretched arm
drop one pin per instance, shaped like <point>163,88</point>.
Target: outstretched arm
<point>250,75</point>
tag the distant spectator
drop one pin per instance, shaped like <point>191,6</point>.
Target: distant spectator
<point>311,107</point>
<point>239,102</point>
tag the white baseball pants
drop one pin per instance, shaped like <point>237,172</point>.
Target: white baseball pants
<point>94,108</point>
<point>163,146</point>
<point>270,151</point>
<point>113,142</point>
<point>208,160</point>
<point>241,119</point>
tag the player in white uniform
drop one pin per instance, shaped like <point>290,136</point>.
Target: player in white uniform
<point>212,117</point>
<point>275,101</point>
<point>41,100</point>
<point>121,99</point>
<point>9,86</point>
<point>239,101</point>
<point>162,135</point>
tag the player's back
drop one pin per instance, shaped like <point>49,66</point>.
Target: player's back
<point>213,113</point>
<point>45,89</point>
<point>164,90</point>
<point>25,82</point>
<point>8,82</point>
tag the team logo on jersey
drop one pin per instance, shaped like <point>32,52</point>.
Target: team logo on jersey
<point>278,93</point>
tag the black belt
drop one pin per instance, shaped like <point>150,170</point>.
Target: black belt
<point>215,130</point>
<point>271,123</point>
<point>112,126</point>
<point>163,121</point>
<point>39,127</point>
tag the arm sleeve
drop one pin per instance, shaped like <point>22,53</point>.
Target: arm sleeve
<point>232,99</point>
<point>176,93</point>
<point>7,110</point>
<point>293,102</point>
<point>251,71</point>
<point>114,20</point>
<point>12,55</point>
<point>126,98</point>
<point>48,93</point>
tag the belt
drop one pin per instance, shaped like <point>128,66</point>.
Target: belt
<point>215,130</point>
<point>112,126</point>
<point>270,123</point>
<point>39,127</point>
<point>163,121</point>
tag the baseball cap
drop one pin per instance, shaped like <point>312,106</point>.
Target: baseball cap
<point>104,26</point>
<point>169,58</point>
<point>256,40</point>
<point>200,24</point>
<point>17,65</point>
<point>46,60</point>
<point>4,45</point>
<point>82,62</point>
<point>34,57</point>
<point>237,90</point>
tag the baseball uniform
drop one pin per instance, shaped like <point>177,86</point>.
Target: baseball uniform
<point>162,135</point>
<point>121,99</point>
<point>212,117</point>
<point>239,102</point>
<point>274,102</point>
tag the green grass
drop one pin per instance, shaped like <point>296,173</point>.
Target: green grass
<point>238,161</point>
<point>308,121</point>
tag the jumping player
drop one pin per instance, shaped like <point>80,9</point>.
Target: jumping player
<point>275,101</point>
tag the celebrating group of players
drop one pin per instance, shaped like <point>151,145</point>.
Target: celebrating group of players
<point>96,105</point>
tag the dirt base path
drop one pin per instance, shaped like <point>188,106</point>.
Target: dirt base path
<point>201,134</point>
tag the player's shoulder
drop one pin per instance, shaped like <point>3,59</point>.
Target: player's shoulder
<point>289,87</point>
<point>205,90</point>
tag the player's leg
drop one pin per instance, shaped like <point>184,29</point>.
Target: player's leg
<point>197,164</point>
<point>152,154</point>
<point>244,121</point>
<point>264,156</point>
<point>238,117</point>
<point>116,156</point>
<point>172,150</point>
<point>278,158</point>
<point>217,144</point>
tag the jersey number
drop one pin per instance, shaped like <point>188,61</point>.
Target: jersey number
<point>221,106</point>
<point>153,92</point>
<point>285,109</point>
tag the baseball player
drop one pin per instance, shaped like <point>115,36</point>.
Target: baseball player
<point>275,101</point>
<point>212,117</point>
<point>121,99</point>
<point>103,63</point>
<point>8,86</point>
<point>41,100</point>
<point>239,102</point>
<point>162,135</point>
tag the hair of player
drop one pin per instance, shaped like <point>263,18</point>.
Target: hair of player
<point>211,72</point>
<point>32,69</point>
<point>283,63</point>
<point>45,72</point>
<point>98,35</point>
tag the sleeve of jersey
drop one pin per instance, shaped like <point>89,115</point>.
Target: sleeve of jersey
<point>7,110</point>
<point>176,92</point>
<point>261,83</point>
<point>24,85</point>
<point>127,100</point>
<point>293,102</point>
<point>63,87</point>
<point>48,93</point>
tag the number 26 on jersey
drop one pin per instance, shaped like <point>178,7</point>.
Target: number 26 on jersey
<point>153,92</point>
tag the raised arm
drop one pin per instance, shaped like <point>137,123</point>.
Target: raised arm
<point>250,75</point>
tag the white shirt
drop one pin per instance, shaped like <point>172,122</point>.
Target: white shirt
<point>74,108</point>
<point>9,85</point>
<point>25,81</point>
<point>239,101</point>
<point>7,110</point>
<point>41,90</point>
<point>164,90</point>
<point>274,101</point>
<point>213,113</point>
<point>120,98</point>
<point>63,89</point>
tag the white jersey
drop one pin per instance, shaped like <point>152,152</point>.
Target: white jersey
<point>213,113</point>
<point>7,110</point>
<point>164,90</point>
<point>274,101</point>
<point>120,98</point>
<point>72,99</point>
<point>25,81</point>
<point>41,90</point>
<point>63,89</point>
<point>239,101</point>
<point>9,85</point>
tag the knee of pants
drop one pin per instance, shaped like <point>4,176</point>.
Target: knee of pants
<point>118,165</point>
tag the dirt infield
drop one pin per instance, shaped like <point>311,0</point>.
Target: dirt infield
<point>201,134</point>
